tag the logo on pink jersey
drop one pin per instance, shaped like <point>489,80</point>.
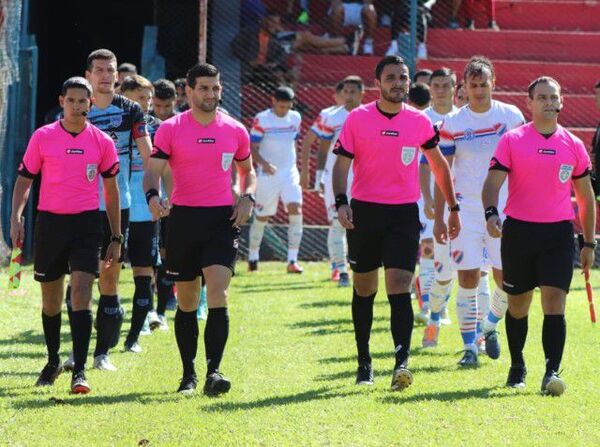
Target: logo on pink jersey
<point>74,151</point>
<point>206,141</point>
<point>389,133</point>
<point>408,154</point>
<point>91,170</point>
<point>564,173</point>
<point>226,160</point>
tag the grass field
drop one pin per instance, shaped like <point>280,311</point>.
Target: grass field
<point>291,359</point>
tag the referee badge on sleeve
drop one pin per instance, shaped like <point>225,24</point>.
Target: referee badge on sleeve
<point>564,173</point>
<point>91,170</point>
<point>226,160</point>
<point>408,154</point>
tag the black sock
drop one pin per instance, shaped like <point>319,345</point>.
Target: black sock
<point>516,334</point>
<point>68,304</point>
<point>142,303</point>
<point>52,335</point>
<point>402,319</point>
<point>82,331</point>
<point>215,337</point>
<point>186,334</point>
<point>554,333</point>
<point>362,318</point>
<point>164,290</point>
<point>109,319</point>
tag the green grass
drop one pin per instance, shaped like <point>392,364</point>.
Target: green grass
<point>291,359</point>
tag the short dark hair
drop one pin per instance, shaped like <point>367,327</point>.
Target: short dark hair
<point>164,89</point>
<point>541,80</point>
<point>127,67</point>
<point>101,54</point>
<point>477,66</point>
<point>76,82</point>
<point>134,82</point>
<point>387,60</point>
<point>422,72</point>
<point>201,71</point>
<point>283,94</point>
<point>419,94</point>
<point>339,87</point>
<point>444,72</point>
<point>180,82</point>
<point>354,80</point>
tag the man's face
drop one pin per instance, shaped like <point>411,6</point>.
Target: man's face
<point>394,82</point>
<point>461,98</point>
<point>181,98</point>
<point>423,79</point>
<point>103,75</point>
<point>597,92</point>
<point>74,103</point>
<point>143,96</point>
<point>163,108</point>
<point>479,89</point>
<point>281,108</point>
<point>442,90</point>
<point>352,95</point>
<point>206,93</point>
<point>123,74</point>
<point>546,100</point>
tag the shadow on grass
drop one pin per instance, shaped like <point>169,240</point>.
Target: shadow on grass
<point>46,401</point>
<point>335,303</point>
<point>34,337</point>
<point>323,393</point>
<point>449,396</point>
<point>342,330</point>
<point>385,355</point>
<point>350,374</point>
<point>258,288</point>
<point>329,322</point>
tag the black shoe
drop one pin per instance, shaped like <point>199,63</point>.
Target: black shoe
<point>49,375</point>
<point>516,376</point>
<point>79,384</point>
<point>188,384</point>
<point>469,359</point>
<point>216,384</point>
<point>252,266</point>
<point>492,345</point>
<point>552,384</point>
<point>364,374</point>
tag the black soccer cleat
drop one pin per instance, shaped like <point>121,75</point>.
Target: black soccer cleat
<point>79,383</point>
<point>516,376</point>
<point>552,384</point>
<point>216,384</point>
<point>48,375</point>
<point>492,345</point>
<point>364,374</point>
<point>469,359</point>
<point>252,266</point>
<point>188,384</point>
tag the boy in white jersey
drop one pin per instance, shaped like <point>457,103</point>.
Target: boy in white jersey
<point>273,136</point>
<point>470,136</point>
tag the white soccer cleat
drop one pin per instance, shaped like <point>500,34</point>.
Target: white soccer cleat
<point>430,338</point>
<point>102,362</point>
<point>153,320</point>
<point>163,323</point>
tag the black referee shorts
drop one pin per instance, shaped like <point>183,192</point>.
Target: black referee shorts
<point>536,254</point>
<point>142,244</point>
<point>107,233</point>
<point>383,234</point>
<point>199,237</point>
<point>65,243</point>
<point>162,236</point>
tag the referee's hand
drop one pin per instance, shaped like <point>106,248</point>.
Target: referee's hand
<point>494,226</point>
<point>159,208</point>
<point>345,217</point>
<point>586,256</point>
<point>17,231</point>
<point>242,211</point>
<point>113,254</point>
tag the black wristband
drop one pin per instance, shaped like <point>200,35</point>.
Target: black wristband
<point>591,245</point>
<point>454,209</point>
<point>340,199</point>
<point>249,196</point>
<point>151,193</point>
<point>490,211</point>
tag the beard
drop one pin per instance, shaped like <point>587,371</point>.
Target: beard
<point>208,107</point>
<point>395,97</point>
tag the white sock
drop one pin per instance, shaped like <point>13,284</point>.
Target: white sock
<point>294,236</point>
<point>466,310</point>
<point>336,241</point>
<point>483,301</point>
<point>498,307</point>
<point>257,230</point>
<point>426,275</point>
<point>437,301</point>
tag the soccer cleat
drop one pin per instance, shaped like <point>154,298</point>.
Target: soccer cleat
<point>422,317</point>
<point>492,25</point>
<point>492,345</point>
<point>163,323</point>
<point>188,384</point>
<point>216,384</point>
<point>79,384</point>
<point>252,266</point>
<point>153,320</point>
<point>552,384</point>
<point>146,329</point>
<point>364,374</point>
<point>293,267</point>
<point>516,376</point>
<point>48,375</point>
<point>102,362</point>
<point>335,274</point>
<point>470,25</point>
<point>344,280</point>
<point>69,364</point>
<point>133,347</point>
<point>402,378</point>
<point>445,317</point>
<point>469,359</point>
<point>430,338</point>
<point>480,343</point>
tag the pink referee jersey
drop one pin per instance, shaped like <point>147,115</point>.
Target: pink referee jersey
<point>540,172</point>
<point>385,150</point>
<point>69,165</point>
<point>201,157</point>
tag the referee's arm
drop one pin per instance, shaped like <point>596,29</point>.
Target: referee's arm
<point>155,168</point>
<point>489,196</point>
<point>19,200</point>
<point>584,194</point>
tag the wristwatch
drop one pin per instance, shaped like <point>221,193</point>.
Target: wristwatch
<point>454,208</point>
<point>591,245</point>
<point>249,196</point>
<point>118,238</point>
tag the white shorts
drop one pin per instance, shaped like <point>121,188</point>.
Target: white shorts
<point>352,14</point>
<point>329,198</point>
<point>467,251</point>
<point>270,188</point>
<point>426,224</point>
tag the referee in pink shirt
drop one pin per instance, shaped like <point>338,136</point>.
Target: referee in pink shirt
<point>71,155</point>
<point>384,138</point>
<point>200,146</point>
<point>542,161</point>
